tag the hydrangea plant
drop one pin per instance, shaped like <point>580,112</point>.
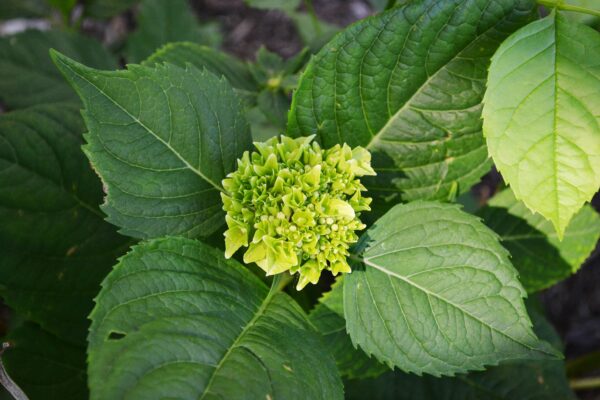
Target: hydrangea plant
<point>141,297</point>
<point>296,206</point>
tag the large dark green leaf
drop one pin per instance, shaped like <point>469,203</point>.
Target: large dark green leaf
<point>175,317</point>
<point>161,22</point>
<point>436,293</point>
<point>161,138</point>
<point>55,245</point>
<point>541,259</point>
<point>27,75</point>
<point>56,248</point>
<point>328,318</point>
<point>522,380</point>
<point>217,62</point>
<point>580,236</point>
<point>44,366</point>
<point>408,84</point>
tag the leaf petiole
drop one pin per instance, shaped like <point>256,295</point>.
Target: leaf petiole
<point>585,363</point>
<point>585,383</point>
<point>280,281</point>
<point>561,5</point>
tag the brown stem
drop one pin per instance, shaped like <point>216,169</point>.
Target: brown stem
<point>585,383</point>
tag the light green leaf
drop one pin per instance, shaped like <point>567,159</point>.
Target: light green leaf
<point>437,294</point>
<point>328,318</point>
<point>55,245</point>
<point>44,366</point>
<point>540,116</point>
<point>408,84</point>
<point>584,11</point>
<point>522,380</point>
<point>217,62</point>
<point>27,75</point>
<point>161,139</point>
<point>541,259</point>
<point>161,22</point>
<point>176,317</point>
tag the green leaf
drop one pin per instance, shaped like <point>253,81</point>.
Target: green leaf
<point>106,8</point>
<point>313,32</point>
<point>522,380</point>
<point>328,318</point>
<point>27,75</point>
<point>282,5</point>
<point>540,122</point>
<point>437,294</point>
<point>161,22</point>
<point>334,298</point>
<point>584,11</point>
<point>380,5</point>
<point>23,9</point>
<point>407,84</point>
<point>274,106</point>
<point>64,6</point>
<point>56,248</point>
<point>538,262</point>
<point>176,317</point>
<point>541,259</point>
<point>161,139</point>
<point>44,366</point>
<point>541,380</point>
<point>217,62</point>
<point>351,362</point>
<point>580,236</point>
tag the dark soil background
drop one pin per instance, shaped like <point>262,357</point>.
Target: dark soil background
<point>573,306</point>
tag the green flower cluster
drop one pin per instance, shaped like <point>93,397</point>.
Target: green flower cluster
<point>296,206</point>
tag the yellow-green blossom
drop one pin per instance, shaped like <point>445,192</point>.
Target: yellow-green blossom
<point>296,206</point>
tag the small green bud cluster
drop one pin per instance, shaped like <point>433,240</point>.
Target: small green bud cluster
<point>296,206</point>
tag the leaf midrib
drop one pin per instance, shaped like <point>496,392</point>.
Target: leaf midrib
<point>437,296</point>
<point>236,343</point>
<point>150,131</point>
<point>408,103</point>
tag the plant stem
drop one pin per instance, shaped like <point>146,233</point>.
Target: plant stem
<point>313,15</point>
<point>7,382</point>
<point>585,363</point>
<point>585,383</point>
<point>280,281</point>
<point>561,5</point>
